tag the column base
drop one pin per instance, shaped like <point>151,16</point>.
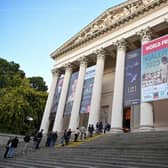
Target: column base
<point>146,128</point>
<point>116,130</point>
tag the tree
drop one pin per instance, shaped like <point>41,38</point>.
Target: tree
<point>10,74</point>
<point>38,83</point>
<point>18,100</point>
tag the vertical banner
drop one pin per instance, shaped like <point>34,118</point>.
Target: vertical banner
<point>71,93</point>
<point>87,90</point>
<point>56,97</point>
<point>132,77</point>
<point>154,70</point>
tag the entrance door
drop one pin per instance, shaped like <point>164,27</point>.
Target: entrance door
<point>126,119</point>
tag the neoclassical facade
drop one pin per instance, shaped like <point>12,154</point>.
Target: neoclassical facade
<point>90,72</point>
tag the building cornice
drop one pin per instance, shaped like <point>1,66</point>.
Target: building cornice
<point>110,19</point>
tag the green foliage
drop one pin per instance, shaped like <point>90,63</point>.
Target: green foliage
<point>38,83</point>
<point>18,100</point>
<point>10,75</point>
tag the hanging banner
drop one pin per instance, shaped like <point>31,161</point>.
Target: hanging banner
<point>87,90</point>
<point>71,93</point>
<point>154,70</point>
<point>132,78</point>
<point>56,97</point>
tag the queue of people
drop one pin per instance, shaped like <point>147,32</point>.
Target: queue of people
<point>65,138</point>
<point>81,133</point>
<point>12,144</point>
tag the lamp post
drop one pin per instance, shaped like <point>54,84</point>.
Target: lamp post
<point>29,119</point>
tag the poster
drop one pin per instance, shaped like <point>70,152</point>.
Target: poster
<point>154,70</point>
<point>56,97</point>
<point>71,93</point>
<point>87,90</point>
<point>132,78</point>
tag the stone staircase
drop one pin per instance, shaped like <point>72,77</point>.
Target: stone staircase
<point>129,150</point>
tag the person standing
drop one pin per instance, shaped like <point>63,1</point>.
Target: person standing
<point>90,130</point>
<point>49,139</point>
<point>82,133</point>
<point>68,136</point>
<point>63,137</point>
<point>39,137</point>
<point>13,147</point>
<point>26,141</point>
<point>54,137</point>
<point>76,135</point>
<point>8,145</point>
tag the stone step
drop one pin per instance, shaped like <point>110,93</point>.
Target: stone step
<point>41,164</point>
<point>102,159</point>
<point>87,163</point>
<point>109,152</point>
<point>134,150</point>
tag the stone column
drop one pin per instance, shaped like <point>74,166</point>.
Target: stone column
<point>58,123</point>
<point>45,119</point>
<point>146,109</point>
<point>97,88</point>
<point>74,120</point>
<point>117,105</point>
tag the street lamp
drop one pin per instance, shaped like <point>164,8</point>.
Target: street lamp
<point>29,119</point>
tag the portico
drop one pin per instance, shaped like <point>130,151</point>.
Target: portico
<point>104,44</point>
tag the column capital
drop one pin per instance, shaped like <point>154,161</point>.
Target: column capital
<point>83,61</point>
<point>100,53</point>
<point>121,44</point>
<point>55,72</point>
<point>145,34</point>
<point>68,67</point>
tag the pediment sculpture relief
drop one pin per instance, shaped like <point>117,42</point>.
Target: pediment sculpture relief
<point>110,18</point>
<point>79,38</point>
<point>107,20</point>
<point>94,29</point>
<point>146,2</point>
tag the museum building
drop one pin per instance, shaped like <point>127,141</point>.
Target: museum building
<point>115,70</point>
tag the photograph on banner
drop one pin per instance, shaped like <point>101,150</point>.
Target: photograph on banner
<point>154,70</point>
<point>56,96</point>
<point>71,93</point>
<point>132,78</point>
<point>87,89</point>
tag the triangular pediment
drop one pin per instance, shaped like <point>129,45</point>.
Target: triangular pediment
<point>111,18</point>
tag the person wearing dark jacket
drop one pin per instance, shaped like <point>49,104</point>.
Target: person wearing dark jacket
<point>14,144</point>
<point>68,136</point>
<point>39,137</point>
<point>26,143</point>
<point>54,138</point>
<point>8,145</point>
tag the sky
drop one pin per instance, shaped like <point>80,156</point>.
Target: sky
<point>31,29</point>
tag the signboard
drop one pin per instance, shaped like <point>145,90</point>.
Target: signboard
<point>87,90</point>
<point>154,70</point>
<point>56,97</point>
<point>71,93</point>
<point>132,78</point>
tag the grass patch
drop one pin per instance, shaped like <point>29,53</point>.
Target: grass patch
<point>79,142</point>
